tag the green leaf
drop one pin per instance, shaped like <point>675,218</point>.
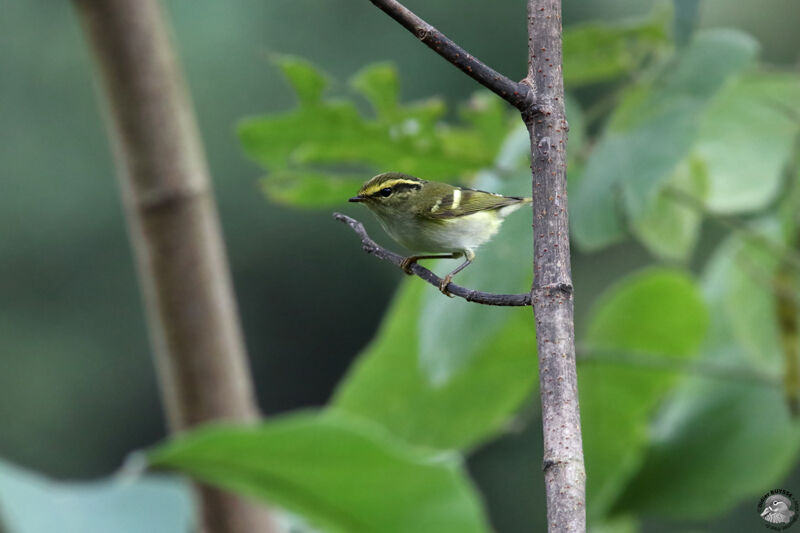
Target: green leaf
<point>308,82</point>
<point>617,524</point>
<point>652,316</point>
<point>30,503</point>
<point>747,270</point>
<point>330,139</point>
<point>309,189</point>
<point>387,385</point>
<point>599,51</point>
<point>379,85</point>
<point>649,134</point>
<point>577,131</point>
<point>671,227</point>
<point>746,139</point>
<point>733,438</point>
<point>344,474</point>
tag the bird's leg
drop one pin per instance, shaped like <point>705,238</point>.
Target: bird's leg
<point>469,256</point>
<point>410,260</point>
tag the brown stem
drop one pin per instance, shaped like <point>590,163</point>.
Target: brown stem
<point>486,298</point>
<point>174,227</point>
<point>564,473</point>
<point>516,94</point>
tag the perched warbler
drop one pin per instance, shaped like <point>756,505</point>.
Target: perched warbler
<point>427,216</point>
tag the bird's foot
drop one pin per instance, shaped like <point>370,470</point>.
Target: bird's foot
<point>443,285</point>
<point>407,263</point>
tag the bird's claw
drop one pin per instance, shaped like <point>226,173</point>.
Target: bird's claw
<point>443,285</point>
<point>406,263</point>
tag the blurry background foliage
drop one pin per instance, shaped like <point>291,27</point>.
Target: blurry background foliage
<point>684,199</point>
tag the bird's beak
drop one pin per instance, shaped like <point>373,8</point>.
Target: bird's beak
<point>356,199</point>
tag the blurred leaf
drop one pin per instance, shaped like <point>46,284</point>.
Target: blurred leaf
<point>308,82</point>
<point>685,20</point>
<point>618,524</point>
<point>746,139</point>
<point>671,227</point>
<point>732,439</point>
<point>657,314</point>
<point>30,503</point>
<point>331,138</point>
<point>577,130</point>
<point>601,51</point>
<point>650,133</point>
<point>347,475</point>
<point>748,302</point>
<point>379,84</point>
<point>309,188</point>
<point>387,385</point>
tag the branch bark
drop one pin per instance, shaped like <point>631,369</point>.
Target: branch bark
<point>174,228</point>
<point>486,298</point>
<point>517,94</point>
<point>564,473</point>
<point>540,99</point>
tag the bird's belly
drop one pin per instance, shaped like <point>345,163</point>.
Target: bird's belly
<point>455,235</point>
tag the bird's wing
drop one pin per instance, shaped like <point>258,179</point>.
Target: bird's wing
<point>459,202</point>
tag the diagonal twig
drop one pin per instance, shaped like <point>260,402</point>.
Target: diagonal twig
<point>486,298</point>
<point>517,94</point>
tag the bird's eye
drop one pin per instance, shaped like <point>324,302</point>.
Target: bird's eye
<point>386,192</point>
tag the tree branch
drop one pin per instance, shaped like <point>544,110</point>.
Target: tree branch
<point>564,472</point>
<point>486,298</point>
<point>516,94</point>
<point>174,227</point>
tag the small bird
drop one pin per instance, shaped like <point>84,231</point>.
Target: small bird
<point>428,216</point>
<point>778,510</point>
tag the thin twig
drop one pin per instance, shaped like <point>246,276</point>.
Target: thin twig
<point>515,93</point>
<point>486,298</point>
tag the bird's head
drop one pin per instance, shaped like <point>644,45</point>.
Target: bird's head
<point>390,192</point>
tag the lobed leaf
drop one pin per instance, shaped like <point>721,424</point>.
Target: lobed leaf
<point>329,139</point>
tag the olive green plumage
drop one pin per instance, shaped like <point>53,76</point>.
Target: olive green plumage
<point>428,216</point>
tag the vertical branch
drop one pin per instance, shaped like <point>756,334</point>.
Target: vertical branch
<point>173,222</point>
<point>564,473</point>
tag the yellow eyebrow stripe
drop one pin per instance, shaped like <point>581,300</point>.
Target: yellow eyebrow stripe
<point>389,183</point>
